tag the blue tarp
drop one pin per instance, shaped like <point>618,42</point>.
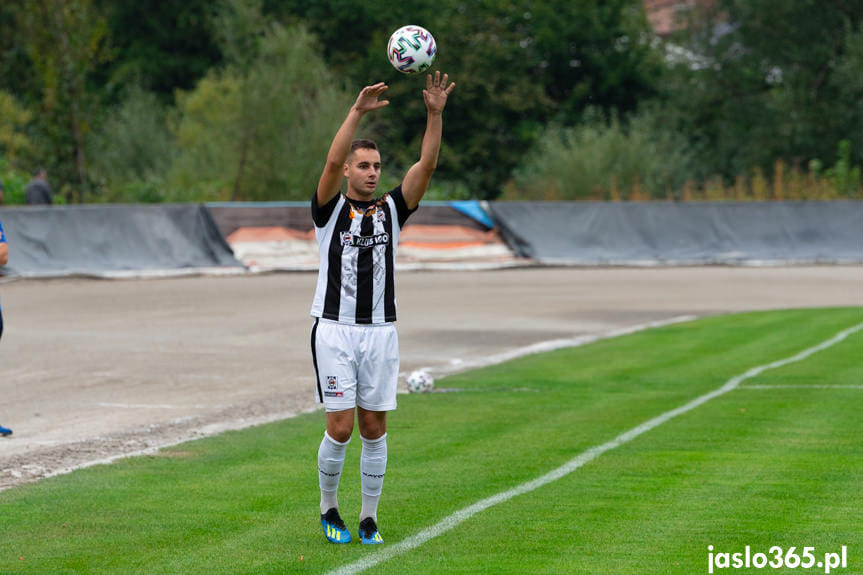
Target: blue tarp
<point>474,209</point>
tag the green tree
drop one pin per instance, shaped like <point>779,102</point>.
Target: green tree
<point>159,46</point>
<point>762,83</point>
<point>259,129</point>
<point>131,149</point>
<point>66,42</point>
<point>14,120</point>
<point>847,81</point>
<point>518,65</point>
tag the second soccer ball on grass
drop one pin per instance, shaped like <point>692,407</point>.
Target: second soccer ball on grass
<point>420,382</point>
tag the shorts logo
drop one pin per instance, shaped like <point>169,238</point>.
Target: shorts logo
<point>332,387</point>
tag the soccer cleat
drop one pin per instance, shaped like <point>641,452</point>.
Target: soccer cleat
<point>4,431</point>
<point>369,534</point>
<point>334,528</point>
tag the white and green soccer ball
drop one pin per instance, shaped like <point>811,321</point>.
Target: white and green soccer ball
<point>411,49</point>
<point>420,382</point>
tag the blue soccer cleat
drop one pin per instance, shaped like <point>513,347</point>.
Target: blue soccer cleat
<point>334,528</point>
<point>369,534</point>
<point>4,431</point>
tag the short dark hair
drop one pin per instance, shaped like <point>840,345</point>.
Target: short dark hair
<point>363,144</point>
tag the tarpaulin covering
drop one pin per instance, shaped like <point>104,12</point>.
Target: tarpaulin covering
<point>230,216</point>
<point>744,233</point>
<point>475,210</point>
<point>113,240</point>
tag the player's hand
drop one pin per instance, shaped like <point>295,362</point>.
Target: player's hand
<point>436,92</point>
<point>368,98</point>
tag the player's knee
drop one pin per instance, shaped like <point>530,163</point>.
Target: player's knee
<point>340,433</point>
<point>372,429</point>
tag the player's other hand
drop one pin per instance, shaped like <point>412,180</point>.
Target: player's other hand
<point>436,92</point>
<point>368,99</point>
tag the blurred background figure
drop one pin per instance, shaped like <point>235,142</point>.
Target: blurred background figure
<point>4,257</point>
<point>38,190</point>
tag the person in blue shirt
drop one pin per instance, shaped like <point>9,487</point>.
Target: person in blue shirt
<point>4,257</point>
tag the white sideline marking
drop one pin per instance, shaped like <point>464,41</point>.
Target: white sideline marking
<point>462,515</point>
<point>207,431</point>
<point>791,386</point>
<point>460,365</point>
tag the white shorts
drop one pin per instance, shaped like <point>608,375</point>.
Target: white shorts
<point>355,365</point>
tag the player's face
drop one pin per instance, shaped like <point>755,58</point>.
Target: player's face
<point>363,171</point>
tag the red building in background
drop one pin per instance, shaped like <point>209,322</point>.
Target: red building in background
<point>667,16</point>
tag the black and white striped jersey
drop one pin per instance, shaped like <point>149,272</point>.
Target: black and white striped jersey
<point>357,244</point>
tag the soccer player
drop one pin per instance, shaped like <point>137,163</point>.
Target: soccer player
<point>354,343</point>
<point>4,257</point>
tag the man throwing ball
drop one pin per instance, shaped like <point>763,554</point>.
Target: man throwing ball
<point>354,342</point>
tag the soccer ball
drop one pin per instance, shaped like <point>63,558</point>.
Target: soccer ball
<point>411,49</point>
<point>420,382</point>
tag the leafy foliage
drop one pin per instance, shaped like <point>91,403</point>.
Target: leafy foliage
<point>65,43</point>
<point>260,128</point>
<point>517,65</point>
<point>14,141</point>
<point>14,183</point>
<point>775,83</point>
<point>132,150</point>
<point>604,159</point>
<point>239,98</point>
<point>160,46</point>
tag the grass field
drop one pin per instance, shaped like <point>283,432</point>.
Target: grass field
<point>776,462</point>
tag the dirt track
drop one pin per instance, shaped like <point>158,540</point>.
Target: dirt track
<point>93,369</point>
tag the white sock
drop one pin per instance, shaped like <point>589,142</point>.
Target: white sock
<point>373,467</point>
<point>331,459</point>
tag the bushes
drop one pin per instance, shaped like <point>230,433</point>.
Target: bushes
<point>606,160</point>
<point>259,131</point>
<point>131,150</point>
<point>263,132</point>
<point>14,182</point>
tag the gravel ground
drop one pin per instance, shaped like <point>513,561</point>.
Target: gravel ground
<point>92,370</point>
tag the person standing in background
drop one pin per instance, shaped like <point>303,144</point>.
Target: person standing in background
<point>4,257</point>
<point>38,190</point>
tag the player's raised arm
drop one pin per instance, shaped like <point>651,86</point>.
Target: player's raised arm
<point>331,178</point>
<point>417,179</point>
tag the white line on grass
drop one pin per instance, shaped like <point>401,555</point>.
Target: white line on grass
<point>792,386</point>
<point>551,345</point>
<point>462,515</point>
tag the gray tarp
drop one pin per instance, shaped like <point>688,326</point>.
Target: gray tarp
<point>231,216</point>
<point>751,233</point>
<point>113,240</point>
